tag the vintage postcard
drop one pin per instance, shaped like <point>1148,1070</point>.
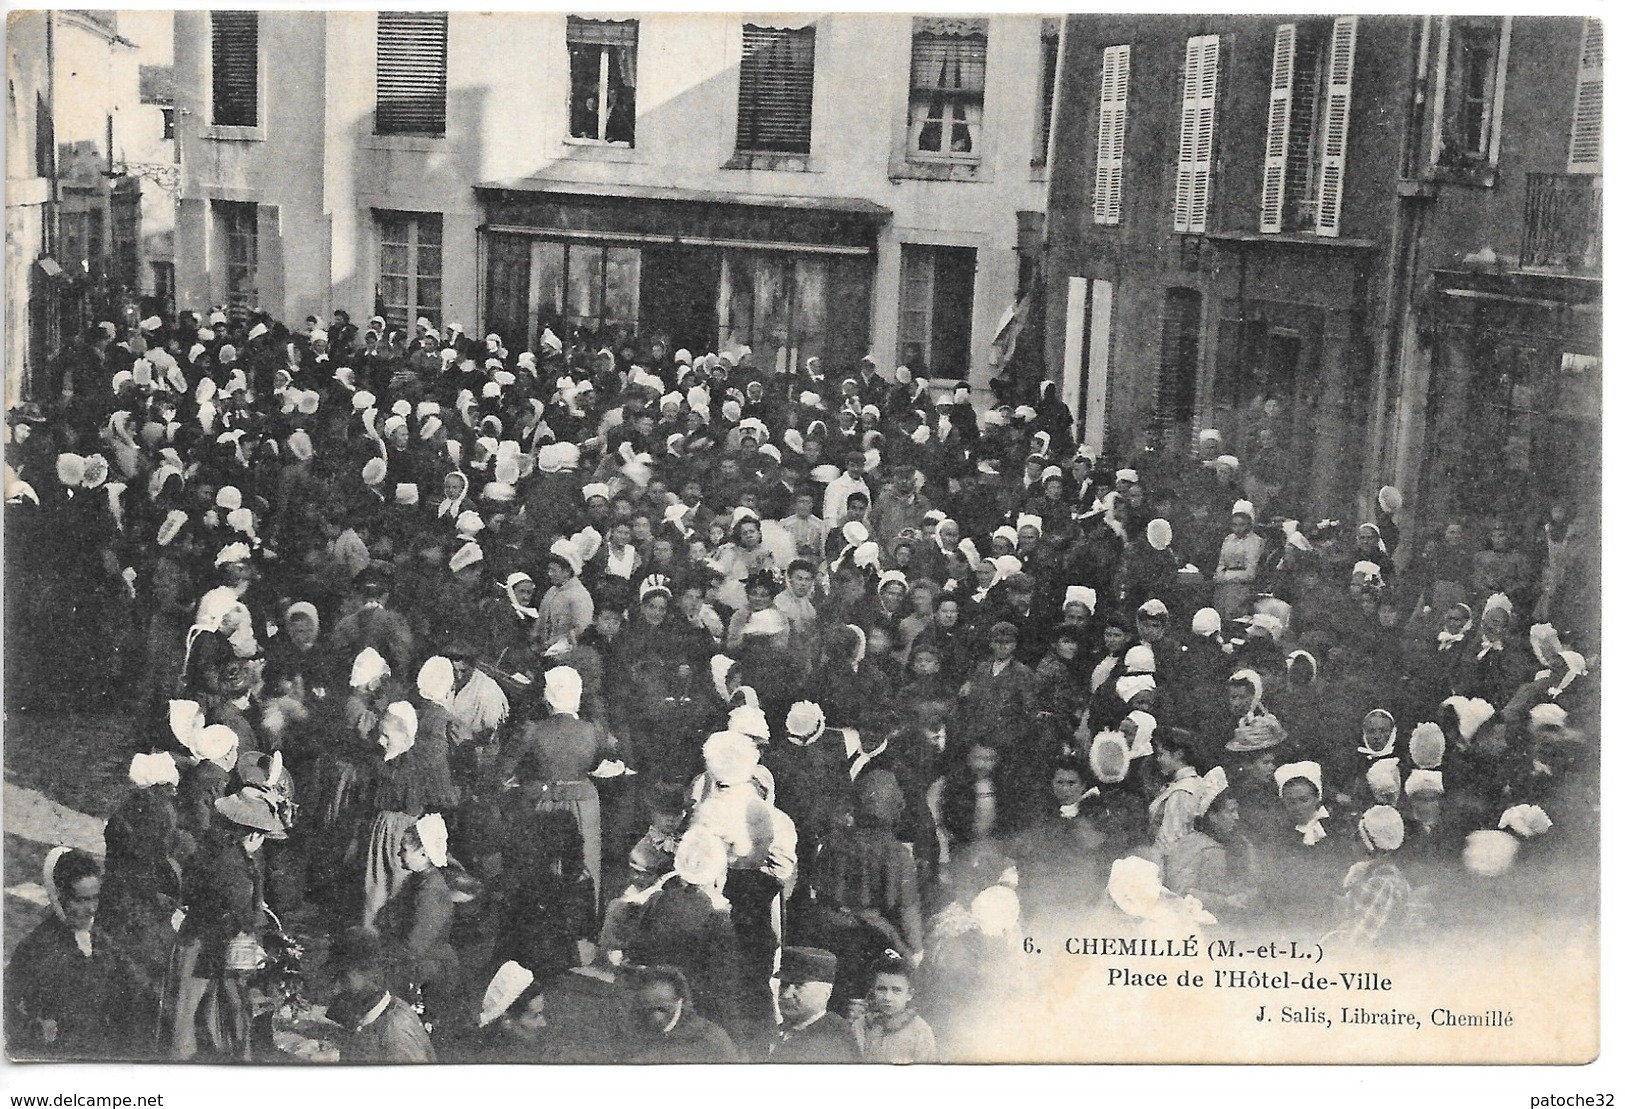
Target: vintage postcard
<point>689,538</point>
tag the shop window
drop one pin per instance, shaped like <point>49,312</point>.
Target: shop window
<point>936,299</point>
<point>411,73</point>
<point>947,81</point>
<point>409,268</point>
<point>235,69</point>
<point>603,79</point>
<point>775,91</point>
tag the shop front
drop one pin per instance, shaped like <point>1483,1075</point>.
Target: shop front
<point>1515,403</point>
<point>790,277</point>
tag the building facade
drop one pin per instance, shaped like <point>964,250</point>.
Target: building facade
<point>73,212</point>
<point>1290,227</point>
<point>822,185</point>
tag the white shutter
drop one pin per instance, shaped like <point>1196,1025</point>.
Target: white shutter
<point>1272,202</point>
<point>1585,133</point>
<point>1335,138</point>
<point>1114,64</point>
<point>1198,113</point>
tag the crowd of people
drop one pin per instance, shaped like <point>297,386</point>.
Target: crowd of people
<point>622,704</point>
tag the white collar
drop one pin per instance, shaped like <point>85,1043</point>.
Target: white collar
<point>376,1011</point>
<point>1070,812</point>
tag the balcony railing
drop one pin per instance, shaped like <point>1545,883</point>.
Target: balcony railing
<point>1562,223</point>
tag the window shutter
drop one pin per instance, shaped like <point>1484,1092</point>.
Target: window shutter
<point>1114,64</point>
<point>1585,134</point>
<point>1272,202</point>
<point>1198,116</point>
<point>775,91</point>
<point>411,73</point>
<point>236,68</point>
<point>1335,140</point>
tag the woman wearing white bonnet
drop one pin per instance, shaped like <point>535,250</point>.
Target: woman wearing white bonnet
<point>1376,896</point>
<point>555,755</point>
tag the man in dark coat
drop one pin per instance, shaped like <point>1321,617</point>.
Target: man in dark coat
<point>667,1029</point>
<point>810,1033</point>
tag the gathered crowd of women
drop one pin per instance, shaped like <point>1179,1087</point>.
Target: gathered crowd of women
<point>619,704</point>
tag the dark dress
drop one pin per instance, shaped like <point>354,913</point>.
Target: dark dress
<point>415,926</point>
<point>50,979</point>
<point>141,889</point>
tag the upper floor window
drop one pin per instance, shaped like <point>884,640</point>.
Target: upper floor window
<point>775,91</point>
<point>1198,123</point>
<point>411,73</point>
<point>1110,139</point>
<point>603,79</point>
<point>1472,72</point>
<point>235,69</point>
<point>1306,136</point>
<point>1585,130</point>
<point>947,80</point>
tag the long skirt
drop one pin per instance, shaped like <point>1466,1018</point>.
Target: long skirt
<point>384,874</point>
<point>204,1017</point>
<point>580,799</point>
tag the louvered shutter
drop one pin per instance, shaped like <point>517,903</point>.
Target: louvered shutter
<point>236,68</point>
<point>1335,138</point>
<point>1114,65</point>
<point>1585,133</point>
<point>1198,118</point>
<point>775,91</point>
<point>1272,201</point>
<point>411,73</point>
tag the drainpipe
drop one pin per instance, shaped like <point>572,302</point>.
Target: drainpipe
<point>1399,272</point>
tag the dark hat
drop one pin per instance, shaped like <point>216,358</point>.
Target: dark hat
<point>1004,630</point>
<point>806,964</point>
<point>28,412</point>
<point>457,648</point>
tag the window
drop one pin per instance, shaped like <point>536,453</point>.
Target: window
<point>603,79</point>
<point>775,91</point>
<point>411,74</point>
<point>1174,405</point>
<point>1049,48</point>
<point>947,76</point>
<point>937,295</point>
<point>1306,139</point>
<point>235,66</point>
<point>1472,61</point>
<point>1585,131</point>
<point>169,122</point>
<point>1114,63</point>
<point>237,229</point>
<point>1197,120</point>
<point>409,267</point>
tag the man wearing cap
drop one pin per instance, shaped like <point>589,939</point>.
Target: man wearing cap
<point>810,1033</point>
<point>374,624</point>
<point>998,700</point>
<point>900,506</point>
